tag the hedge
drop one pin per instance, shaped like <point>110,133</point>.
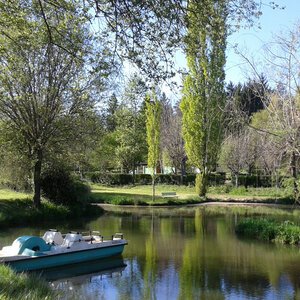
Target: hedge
<point>144,179</point>
<point>256,180</point>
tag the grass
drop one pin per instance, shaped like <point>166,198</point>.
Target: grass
<point>251,191</point>
<point>23,286</point>
<point>142,195</point>
<point>269,230</point>
<point>7,194</point>
<point>17,209</point>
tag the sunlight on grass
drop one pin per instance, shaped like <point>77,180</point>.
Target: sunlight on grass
<point>144,189</point>
<point>8,194</point>
<point>137,195</point>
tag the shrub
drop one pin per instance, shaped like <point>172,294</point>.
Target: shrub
<point>61,188</point>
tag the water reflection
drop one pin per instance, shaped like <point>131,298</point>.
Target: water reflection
<point>83,271</point>
<point>89,280</point>
<point>188,254</point>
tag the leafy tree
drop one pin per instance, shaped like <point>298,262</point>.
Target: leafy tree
<point>239,153</point>
<point>143,32</point>
<point>153,117</point>
<point>130,125</point>
<point>42,84</point>
<point>281,113</point>
<point>130,137</point>
<point>171,136</point>
<point>203,93</point>
<point>110,116</point>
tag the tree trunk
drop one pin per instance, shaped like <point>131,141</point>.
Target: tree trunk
<point>153,188</point>
<point>201,184</point>
<point>183,169</point>
<point>133,173</point>
<point>294,174</point>
<point>236,175</point>
<point>37,180</point>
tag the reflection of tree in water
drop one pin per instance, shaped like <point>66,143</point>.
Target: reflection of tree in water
<point>242,267</point>
<point>203,256</point>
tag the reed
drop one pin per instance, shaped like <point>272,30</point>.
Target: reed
<point>269,230</point>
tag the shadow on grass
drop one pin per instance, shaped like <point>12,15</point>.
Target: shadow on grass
<point>22,212</point>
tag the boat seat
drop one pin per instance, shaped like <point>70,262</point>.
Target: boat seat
<point>71,238</point>
<point>53,237</point>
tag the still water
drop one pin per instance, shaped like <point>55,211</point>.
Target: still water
<point>182,253</point>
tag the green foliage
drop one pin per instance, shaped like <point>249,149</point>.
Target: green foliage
<point>130,136</point>
<point>23,286</point>
<point>103,156</point>
<point>153,115</point>
<point>268,230</point>
<point>251,194</point>
<point>121,200</point>
<point>288,233</point>
<point>21,212</point>
<point>60,187</point>
<point>142,179</point>
<point>203,93</point>
<point>201,184</point>
<point>46,86</point>
<point>262,229</point>
<point>110,178</point>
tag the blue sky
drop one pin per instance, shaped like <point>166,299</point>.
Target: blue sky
<point>251,41</point>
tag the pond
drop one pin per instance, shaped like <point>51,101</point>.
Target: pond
<point>180,253</point>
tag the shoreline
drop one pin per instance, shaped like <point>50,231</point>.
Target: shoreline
<point>205,203</point>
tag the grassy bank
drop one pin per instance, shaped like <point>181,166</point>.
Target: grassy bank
<point>17,209</point>
<point>251,194</point>
<point>23,286</point>
<point>269,230</point>
<point>142,195</point>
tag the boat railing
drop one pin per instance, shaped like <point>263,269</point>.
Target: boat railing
<point>90,236</point>
<point>87,236</point>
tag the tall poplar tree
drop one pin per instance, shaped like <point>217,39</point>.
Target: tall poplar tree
<point>203,92</point>
<point>153,116</point>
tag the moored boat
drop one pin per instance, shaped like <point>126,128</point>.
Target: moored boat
<point>54,249</point>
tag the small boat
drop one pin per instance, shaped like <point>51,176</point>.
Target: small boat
<point>54,249</point>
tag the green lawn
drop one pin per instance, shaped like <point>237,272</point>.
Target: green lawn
<point>143,194</point>
<point>139,195</point>
<point>7,194</point>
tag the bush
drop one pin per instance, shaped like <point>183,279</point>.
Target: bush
<point>60,187</point>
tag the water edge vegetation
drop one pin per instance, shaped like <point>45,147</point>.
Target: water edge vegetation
<point>266,229</point>
<point>23,286</point>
